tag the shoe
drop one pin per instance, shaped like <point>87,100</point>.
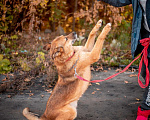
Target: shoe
<point>142,114</point>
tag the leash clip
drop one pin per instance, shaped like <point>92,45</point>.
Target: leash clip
<point>75,74</point>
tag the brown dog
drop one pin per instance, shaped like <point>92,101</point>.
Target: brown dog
<point>70,59</point>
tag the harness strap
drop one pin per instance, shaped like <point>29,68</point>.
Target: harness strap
<point>144,42</point>
<point>70,56</point>
<point>74,66</point>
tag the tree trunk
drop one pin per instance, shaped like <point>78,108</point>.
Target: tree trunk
<point>75,9</point>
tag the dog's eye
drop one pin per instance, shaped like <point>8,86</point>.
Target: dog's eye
<point>66,38</point>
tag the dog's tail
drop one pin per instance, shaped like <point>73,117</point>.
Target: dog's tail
<point>29,115</point>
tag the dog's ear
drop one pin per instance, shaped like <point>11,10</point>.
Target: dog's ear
<point>57,52</point>
<point>47,46</point>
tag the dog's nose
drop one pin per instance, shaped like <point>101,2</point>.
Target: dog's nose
<point>74,33</point>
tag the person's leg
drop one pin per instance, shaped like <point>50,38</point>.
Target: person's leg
<point>144,109</point>
<point>146,96</point>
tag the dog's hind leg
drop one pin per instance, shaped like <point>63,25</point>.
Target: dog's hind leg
<point>67,113</point>
<point>91,39</point>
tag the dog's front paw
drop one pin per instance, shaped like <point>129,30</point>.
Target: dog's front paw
<point>107,28</point>
<point>109,24</point>
<point>100,22</point>
<point>98,25</point>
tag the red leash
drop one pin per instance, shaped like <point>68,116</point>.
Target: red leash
<point>144,42</point>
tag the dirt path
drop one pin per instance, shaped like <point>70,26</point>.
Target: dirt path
<point>116,99</point>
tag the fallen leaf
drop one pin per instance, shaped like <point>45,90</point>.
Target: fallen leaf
<point>31,94</point>
<point>126,82</point>
<point>11,74</point>
<point>109,68</point>
<point>118,70</point>
<point>29,97</point>
<point>93,92</point>
<point>137,99</point>
<point>133,70</point>
<point>133,75</point>
<point>4,79</point>
<point>27,80</point>
<point>92,69</point>
<point>100,68</point>
<point>49,86</point>
<point>42,96</point>
<point>97,83</point>
<point>97,89</point>
<point>49,90</point>
<point>9,96</point>
<point>134,103</point>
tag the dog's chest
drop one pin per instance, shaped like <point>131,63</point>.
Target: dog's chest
<point>74,104</point>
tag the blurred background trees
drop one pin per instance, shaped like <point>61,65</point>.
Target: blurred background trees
<point>26,25</point>
<point>35,15</point>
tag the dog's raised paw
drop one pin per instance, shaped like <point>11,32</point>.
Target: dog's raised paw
<point>100,22</point>
<point>109,24</point>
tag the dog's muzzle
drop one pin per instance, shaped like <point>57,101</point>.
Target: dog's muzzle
<point>75,37</point>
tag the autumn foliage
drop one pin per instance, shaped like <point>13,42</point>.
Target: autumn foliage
<point>27,25</point>
<point>31,15</point>
<point>24,25</point>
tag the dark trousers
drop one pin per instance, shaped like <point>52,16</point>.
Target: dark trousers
<point>146,96</point>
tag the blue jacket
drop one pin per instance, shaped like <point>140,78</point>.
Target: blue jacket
<point>137,19</point>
